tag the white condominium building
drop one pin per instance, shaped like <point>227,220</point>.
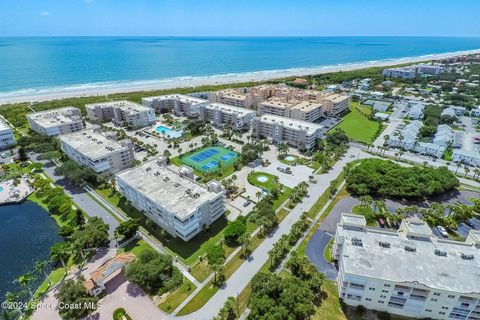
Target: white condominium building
<point>98,151</point>
<point>410,72</point>
<point>409,272</point>
<point>224,115</point>
<point>296,133</point>
<point>176,203</point>
<point>56,122</point>
<point>7,138</point>
<point>124,113</point>
<point>180,104</point>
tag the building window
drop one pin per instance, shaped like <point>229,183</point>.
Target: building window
<point>436,294</point>
<point>433,299</point>
<point>428,310</point>
<point>451,296</point>
<point>372,289</point>
<point>385,291</point>
<point>387,285</point>
<point>380,301</point>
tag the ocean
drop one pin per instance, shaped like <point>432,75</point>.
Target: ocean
<point>27,234</point>
<point>56,64</point>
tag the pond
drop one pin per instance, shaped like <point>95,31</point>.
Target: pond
<point>27,233</point>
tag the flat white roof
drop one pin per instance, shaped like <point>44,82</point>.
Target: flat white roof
<point>178,97</point>
<point>229,109</point>
<point>410,259</point>
<point>310,127</point>
<point>124,105</point>
<point>179,195</point>
<point>4,125</point>
<point>55,117</point>
<point>92,144</point>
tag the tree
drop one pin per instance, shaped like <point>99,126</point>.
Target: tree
<point>24,281</point>
<point>166,153</point>
<point>74,293</point>
<point>42,267</point>
<point>127,229</point>
<point>245,240</point>
<point>387,179</point>
<point>216,258</point>
<point>235,230</point>
<point>154,272</point>
<point>60,252</point>
<point>274,297</point>
<point>93,235</point>
<point>22,155</point>
<point>264,216</point>
<point>229,311</point>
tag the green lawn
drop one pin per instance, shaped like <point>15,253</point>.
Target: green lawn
<point>327,252</point>
<point>267,185</point>
<point>367,212</point>
<point>330,305</point>
<point>357,126</point>
<point>174,299</point>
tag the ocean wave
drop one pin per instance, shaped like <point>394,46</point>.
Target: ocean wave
<point>182,81</point>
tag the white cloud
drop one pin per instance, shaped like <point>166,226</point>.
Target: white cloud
<point>44,13</point>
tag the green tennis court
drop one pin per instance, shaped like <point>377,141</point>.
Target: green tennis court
<point>210,159</point>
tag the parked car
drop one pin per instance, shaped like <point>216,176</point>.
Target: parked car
<point>381,222</point>
<point>442,231</point>
<point>3,155</point>
<point>246,204</point>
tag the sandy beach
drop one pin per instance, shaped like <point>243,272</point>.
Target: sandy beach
<point>103,89</point>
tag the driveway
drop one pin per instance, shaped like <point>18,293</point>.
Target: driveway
<point>315,248</point>
<point>80,197</point>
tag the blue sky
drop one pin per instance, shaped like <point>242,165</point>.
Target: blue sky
<point>239,18</point>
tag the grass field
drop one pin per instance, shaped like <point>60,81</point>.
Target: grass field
<point>174,299</point>
<point>268,184</point>
<point>357,126</point>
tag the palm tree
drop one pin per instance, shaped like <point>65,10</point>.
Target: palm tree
<point>458,167</point>
<point>41,266</point>
<point>467,170</point>
<point>365,201</point>
<point>258,194</point>
<point>24,281</point>
<point>60,252</point>
<point>245,241</point>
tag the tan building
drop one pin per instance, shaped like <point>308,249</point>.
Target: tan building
<point>285,101</point>
<point>296,133</point>
<point>98,151</point>
<point>56,122</point>
<point>124,113</point>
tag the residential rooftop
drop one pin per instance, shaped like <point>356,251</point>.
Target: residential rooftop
<point>413,254</point>
<point>126,106</point>
<point>178,97</point>
<point>91,143</point>
<point>228,108</point>
<point>55,117</point>
<point>181,196</point>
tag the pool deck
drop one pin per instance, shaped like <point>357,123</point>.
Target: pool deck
<point>14,193</point>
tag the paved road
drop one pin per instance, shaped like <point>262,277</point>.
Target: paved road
<point>80,197</point>
<point>241,277</point>
<point>315,248</point>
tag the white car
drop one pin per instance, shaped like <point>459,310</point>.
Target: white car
<point>442,231</point>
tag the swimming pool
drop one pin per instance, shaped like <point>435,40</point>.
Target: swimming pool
<point>1,189</point>
<point>169,132</point>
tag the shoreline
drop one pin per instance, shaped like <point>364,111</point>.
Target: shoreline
<point>101,89</point>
